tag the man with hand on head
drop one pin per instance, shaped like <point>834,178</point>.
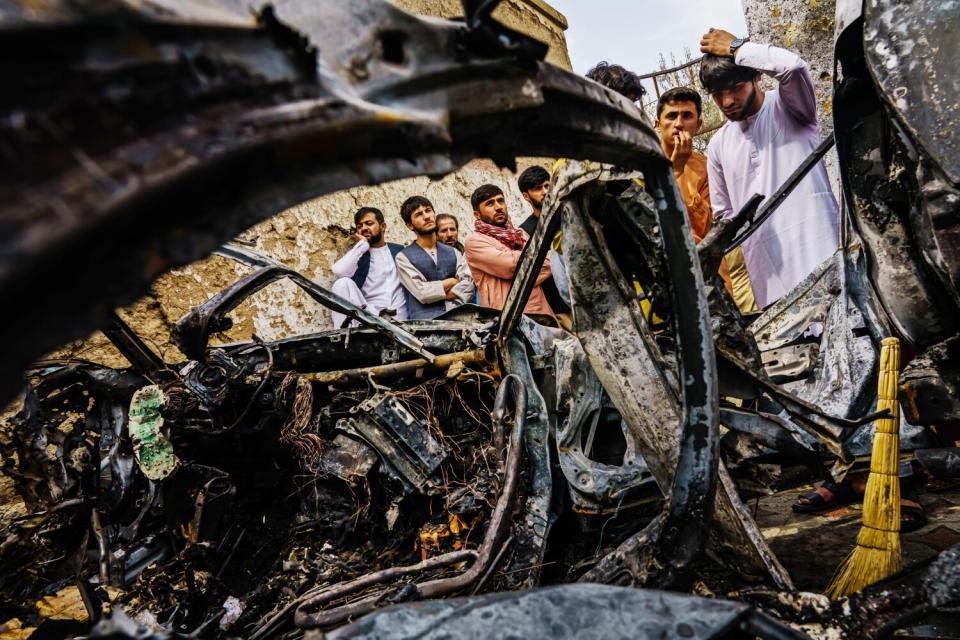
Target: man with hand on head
<point>435,277</point>
<point>767,136</point>
<point>367,274</point>
<point>494,250</point>
<point>679,118</point>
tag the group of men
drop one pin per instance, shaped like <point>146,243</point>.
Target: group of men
<point>768,134</point>
<point>435,272</point>
<point>766,137</point>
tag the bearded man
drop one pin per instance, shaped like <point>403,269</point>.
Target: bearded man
<point>767,136</point>
<point>494,250</point>
<point>367,274</point>
<point>534,183</point>
<point>448,231</point>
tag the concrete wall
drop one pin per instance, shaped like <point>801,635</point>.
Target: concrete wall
<point>309,237</point>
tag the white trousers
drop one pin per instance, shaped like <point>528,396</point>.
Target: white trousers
<point>347,288</point>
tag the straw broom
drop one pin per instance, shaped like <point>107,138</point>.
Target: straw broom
<point>877,554</point>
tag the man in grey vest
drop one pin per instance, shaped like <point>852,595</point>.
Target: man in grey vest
<point>435,277</point>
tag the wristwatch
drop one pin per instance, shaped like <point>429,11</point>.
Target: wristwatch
<point>736,44</point>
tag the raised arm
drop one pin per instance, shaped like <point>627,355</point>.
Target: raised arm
<point>427,292</point>
<point>790,71</point>
<point>346,266</point>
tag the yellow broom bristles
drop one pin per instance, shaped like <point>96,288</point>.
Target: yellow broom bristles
<point>877,554</point>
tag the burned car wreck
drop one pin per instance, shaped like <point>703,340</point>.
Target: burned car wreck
<point>267,488</point>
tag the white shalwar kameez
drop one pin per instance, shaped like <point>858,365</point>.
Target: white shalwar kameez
<point>757,155</point>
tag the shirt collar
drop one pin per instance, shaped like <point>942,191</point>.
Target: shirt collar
<point>746,124</point>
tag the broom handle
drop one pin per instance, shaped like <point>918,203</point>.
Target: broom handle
<point>887,399</point>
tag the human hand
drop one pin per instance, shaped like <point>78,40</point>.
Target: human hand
<point>449,284</point>
<point>357,236</point>
<point>717,42</point>
<point>682,148</point>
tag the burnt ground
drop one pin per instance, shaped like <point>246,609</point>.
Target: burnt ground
<point>812,546</point>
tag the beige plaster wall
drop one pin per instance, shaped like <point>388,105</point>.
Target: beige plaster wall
<point>309,238</point>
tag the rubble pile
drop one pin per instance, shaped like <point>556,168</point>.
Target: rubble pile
<point>231,485</point>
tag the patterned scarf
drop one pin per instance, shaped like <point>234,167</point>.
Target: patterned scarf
<point>509,235</point>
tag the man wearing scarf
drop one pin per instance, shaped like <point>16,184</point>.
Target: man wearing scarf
<point>494,250</point>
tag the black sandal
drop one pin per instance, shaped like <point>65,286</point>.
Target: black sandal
<point>842,494</point>
<point>911,517</point>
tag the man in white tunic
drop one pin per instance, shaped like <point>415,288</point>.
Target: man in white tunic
<point>767,136</point>
<point>367,274</point>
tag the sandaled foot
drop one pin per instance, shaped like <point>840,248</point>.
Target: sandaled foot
<point>828,495</point>
<point>912,515</point>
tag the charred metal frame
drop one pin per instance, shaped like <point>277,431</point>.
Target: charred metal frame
<point>901,181</point>
<point>264,133</point>
<point>164,195</point>
<point>192,332</point>
<point>531,104</point>
<point>483,558</point>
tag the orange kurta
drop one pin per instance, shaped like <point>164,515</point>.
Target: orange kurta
<point>696,195</point>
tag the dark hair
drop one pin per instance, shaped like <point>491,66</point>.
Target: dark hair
<point>483,193</point>
<point>444,216</point>
<point>411,204</point>
<point>615,77</point>
<point>532,177</point>
<point>721,72</point>
<point>362,211</point>
<point>679,94</point>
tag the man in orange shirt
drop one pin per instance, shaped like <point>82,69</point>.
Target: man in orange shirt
<point>679,118</point>
<point>493,251</point>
